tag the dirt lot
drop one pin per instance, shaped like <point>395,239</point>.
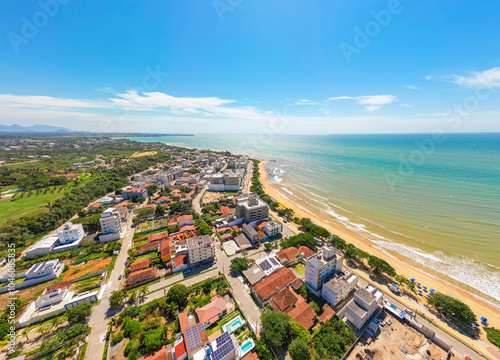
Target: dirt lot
<point>80,270</point>
<point>146,153</point>
<point>389,343</point>
<point>210,196</point>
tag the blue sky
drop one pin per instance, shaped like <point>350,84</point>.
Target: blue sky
<point>239,66</point>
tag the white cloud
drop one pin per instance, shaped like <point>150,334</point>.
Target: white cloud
<point>304,102</point>
<point>488,78</point>
<point>29,101</point>
<point>406,105</point>
<point>412,87</point>
<point>370,102</point>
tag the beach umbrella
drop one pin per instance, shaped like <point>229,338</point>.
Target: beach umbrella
<point>412,280</point>
<point>476,324</point>
<point>432,290</point>
<point>428,296</point>
<point>425,288</point>
<point>418,284</point>
<point>484,320</point>
<point>420,292</point>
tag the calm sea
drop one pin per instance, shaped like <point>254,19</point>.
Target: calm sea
<point>435,201</point>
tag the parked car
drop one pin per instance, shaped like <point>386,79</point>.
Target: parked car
<point>187,271</point>
<point>119,277</point>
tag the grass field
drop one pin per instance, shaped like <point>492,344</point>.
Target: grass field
<point>300,268</point>
<point>34,204</point>
<point>493,335</point>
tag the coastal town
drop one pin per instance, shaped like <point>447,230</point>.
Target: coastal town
<point>166,252</point>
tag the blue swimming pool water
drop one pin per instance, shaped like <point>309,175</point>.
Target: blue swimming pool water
<point>246,346</point>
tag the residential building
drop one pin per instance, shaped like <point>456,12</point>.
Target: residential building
<point>134,192</point>
<point>195,336</point>
<point>111,225</point>
<point>364,304</point>
<point>140,265</point>
<point>268,264</point>
<point>251,208</point>
<point>142,276</point>
<point>43,247</point>
<point>71,233</point>
<point>222,348</point>
<point>265,289</point>
<point>289,256</point>
<point>37,274</point>
<point>306,252</point>
<point>294,305</point>
<point>212,312</point>
<point>164,353</point>
<point>321,267</point>
<point>336,289</point>
<point>228,181</point>
<point>251,233</point>
<point>273,228</point>
<point>200,248</point>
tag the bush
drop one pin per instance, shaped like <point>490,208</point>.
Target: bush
<point>79,313</point>
<point>298,350</point>
<point>178,294</point>
<point>117,337</point>
<point>131,348</point>
<point>132,328</point>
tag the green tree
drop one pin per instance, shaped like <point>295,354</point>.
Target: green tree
<point>160,210</point>
<point>178,294</point>
<point>238,265</point>
<point>79,313</point>
<point>275,327</point>
<point>117,298</point>
<point>298,350</point>
<point>451,307</point>
<point>379,266</point>
<point>268,246</point>
<point>338,242</point>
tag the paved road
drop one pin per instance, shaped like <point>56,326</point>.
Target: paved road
<point>197,200</point>
<point>101,313</point>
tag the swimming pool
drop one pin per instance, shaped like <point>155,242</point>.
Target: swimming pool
<point>246,346</point>
<point>394,307</point>
<point>234,324</point>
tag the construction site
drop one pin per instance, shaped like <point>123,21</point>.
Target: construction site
<point>398,340</point>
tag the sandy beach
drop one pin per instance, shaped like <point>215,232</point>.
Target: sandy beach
<point>479,307</point>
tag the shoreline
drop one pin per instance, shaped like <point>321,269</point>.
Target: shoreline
<point>479,306</point>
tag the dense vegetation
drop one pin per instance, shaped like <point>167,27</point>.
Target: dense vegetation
<point>239,264</point>
<point>25,230</point>
<point>332,340</point>
<point>301,239</point>
<point>452,308</point>
<point>493,335</point>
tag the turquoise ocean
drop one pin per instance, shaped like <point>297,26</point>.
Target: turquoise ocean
<point>433,200</point>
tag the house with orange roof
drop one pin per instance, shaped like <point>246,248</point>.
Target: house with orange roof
<point>140,265</point>
<point>327,314</point>
<point>179,263</point>
<point>289,256</point>
<point>95,206</point>
<point>163,200</point>
<point>290,303</point>
<point>147,248</point>
<point>164,353</point>
<point>142,276</point>
<point>149,206</point>
<point>212,312</point>
<point>158,237</point>
<point>165,251</point>
<point>306,252</point>
<point>265,289</point>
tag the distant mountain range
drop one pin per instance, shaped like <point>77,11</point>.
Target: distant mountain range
<point>34,129</point>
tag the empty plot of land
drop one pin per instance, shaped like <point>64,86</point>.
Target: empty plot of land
<point>85,269</point>
<point>146,153</point>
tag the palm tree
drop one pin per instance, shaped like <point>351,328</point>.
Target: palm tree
<point>55,322</point>
<point>25,333</point>
<point>142,292</point>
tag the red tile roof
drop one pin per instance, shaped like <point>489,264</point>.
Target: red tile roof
<point>277,281</point>
<point>96,205</point>
<point>303,314</point>
<point>250,356</point>
<point>165,249</point>
<point>288,254</point>
<point>284,299</point>
<point>149,206</point>
<point>147,246</point>
<point>184,321</point>
<point>187,228</point>
<point>184,217</point>
<point>224,210</point>
<point>328,313</point>
<point>165,353</point>
<point>139,265</point>
<point>180,260</point>
<point>211,311</point>
<point>157,237</point>
<point>306,251</point>
<point>141,275</point>
<point>180,350</point>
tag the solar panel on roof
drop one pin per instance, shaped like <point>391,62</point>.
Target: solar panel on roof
<point>273,261</point>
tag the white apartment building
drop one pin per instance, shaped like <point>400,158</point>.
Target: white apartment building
<point>111,225</point>
<point>251,208</point>
<point>337,289</point>
<point>364,304</point>
<point>200,248</point>
<point>320,267</point>
<point>43,247</point>
<point>71,233</point>
<point>228,181</point>
<point>273,228</point>
<point>52,268</point>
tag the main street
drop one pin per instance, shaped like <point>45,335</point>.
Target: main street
<point>101,313</point>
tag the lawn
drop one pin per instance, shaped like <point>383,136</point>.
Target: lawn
<point>493,335</point>
<point>34,204</point>
<point>300,268</point>
<point>145,256</point>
